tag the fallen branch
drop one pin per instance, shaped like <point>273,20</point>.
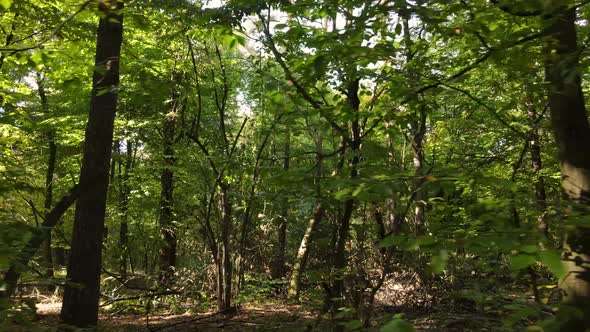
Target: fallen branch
<point>137,297</point>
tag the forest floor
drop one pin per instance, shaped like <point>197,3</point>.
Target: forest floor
<point>445,309</point>
<point>267,317</point>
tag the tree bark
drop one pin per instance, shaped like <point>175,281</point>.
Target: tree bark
<point>572,135</point>
<point>81,296</point>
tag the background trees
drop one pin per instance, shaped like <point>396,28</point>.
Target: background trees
<point>314,150</point>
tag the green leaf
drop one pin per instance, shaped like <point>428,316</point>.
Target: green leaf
<point>102,91</point>
<point>529,249</point>
<point>438,263</point>
<point>392,240</point>
<point>552,260</point>
<point>340,194</point>
<point>6,3</point>
<point>354,325</point>
<point>73,83</point>
<point>521,261</point>
<point>37,56</point>
<point>397,325</point>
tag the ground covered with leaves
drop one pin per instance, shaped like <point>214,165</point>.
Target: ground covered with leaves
<point>404,303</point>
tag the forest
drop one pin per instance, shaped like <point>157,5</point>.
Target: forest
<point>277,165</point>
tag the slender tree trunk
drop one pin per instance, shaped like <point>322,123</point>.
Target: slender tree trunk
<point>572,135</point>
<point>303,252</point>
<point>337,289</point>
<point>226,229</point>
<point>81,297</point>
<point>381,233</point>
<point>51,160</point>
<point>537,165</point>
<point>516,217</point>
<point>60,254</point>
<point>219,281</point>
<point>124,207</point>
<point>419,129</point>
<point>304,246</point>
<point>278,266</point>
<point>167,230</point>
<point>114,159</point>
<point>47,251</point>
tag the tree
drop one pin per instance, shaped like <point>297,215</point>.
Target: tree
<point>572,135</point>
<point>81,296</point>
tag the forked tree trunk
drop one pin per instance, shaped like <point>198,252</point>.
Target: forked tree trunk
<point>572,135</point>
<point>81,296</point>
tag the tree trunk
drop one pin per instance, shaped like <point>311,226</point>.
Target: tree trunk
<point>304,246</point>
<point>419,129</point>
<point>124,207</point>
<point>81,297</point>
<point>168,234</point>
<point>226,229</point>
<point>51,160</point>
<point>219,280</point>
<point>337,289</point>
<point>278,269</point>
<point>303,252</point>
<point>47,252</point>
<point>572,135</point>
<point>537,165</point>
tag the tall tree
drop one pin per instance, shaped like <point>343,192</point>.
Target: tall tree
<point>278,265</point>
<point>124,192</point>
<point>81,296</point>
<point>314,221</point>
<point>168,234</point>
<point>572,135</point>
<point>51,160</point>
